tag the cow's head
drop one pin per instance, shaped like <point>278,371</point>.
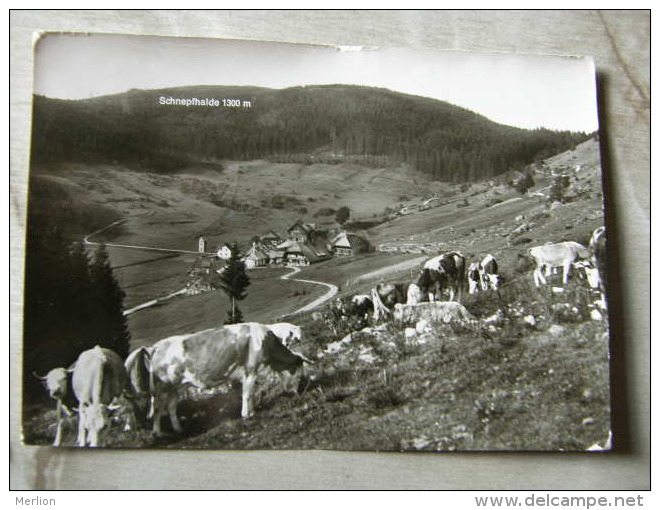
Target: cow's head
<point>56,382</point>
<point>290,366</point>
<point>525,261</point>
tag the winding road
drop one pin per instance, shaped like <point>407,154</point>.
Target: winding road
<point>87,241</point>
<point>332,291</point>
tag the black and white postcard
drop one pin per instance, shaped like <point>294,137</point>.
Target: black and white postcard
<point>253,245</point>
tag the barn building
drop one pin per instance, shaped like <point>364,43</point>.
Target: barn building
<point>255,257</point>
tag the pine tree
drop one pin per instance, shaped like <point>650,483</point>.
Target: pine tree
<point>342,214</point>
<point>77,297</point>
<point>109,322</point>
<point>234,282</point>
<point>523,185</point>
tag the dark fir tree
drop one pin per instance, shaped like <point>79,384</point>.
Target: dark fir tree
<point>234,282</point>
<point>47,318</point>
<point>109,322</point>
<point>559,185</point>
<point>525,183</point>
<point>71,305</point>
<point>342,214</point>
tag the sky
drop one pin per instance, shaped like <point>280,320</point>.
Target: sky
<point>526,91</point>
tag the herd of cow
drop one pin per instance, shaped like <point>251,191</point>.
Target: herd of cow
<point>444,277</point>
<point>152,381</point>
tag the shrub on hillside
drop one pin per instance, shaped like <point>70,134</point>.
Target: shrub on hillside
<point>385,397</point>
<point>521,240</point>
<point>324,211</point>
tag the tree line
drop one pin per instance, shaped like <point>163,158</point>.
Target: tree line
<point>72,303</point>
<point>444,141</point>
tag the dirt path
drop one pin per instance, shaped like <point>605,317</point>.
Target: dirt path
<point>86,240</point>
<point>153,302</point>
<point>401,266</point>
<point>332,291</point>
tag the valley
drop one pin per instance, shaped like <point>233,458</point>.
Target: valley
<point>530,373</point>
<point>161,212</point>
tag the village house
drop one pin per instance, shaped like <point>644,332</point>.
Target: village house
<point>348,245</point>
<point>255,257</point>
<point>303,246</point>
<point>276,257</point>
<point>300,232</point>
<point>293,254</point>
<point>270,240</point>
<point>224,252</point>
<point>341,246</point>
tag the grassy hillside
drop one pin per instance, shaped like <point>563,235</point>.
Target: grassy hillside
<point>245,199</point>
<point>521,387</point>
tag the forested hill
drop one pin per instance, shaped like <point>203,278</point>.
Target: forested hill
<point>444,141</point>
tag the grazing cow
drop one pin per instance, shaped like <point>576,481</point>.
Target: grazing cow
<point>414,294</point>
<point>436,311</point>
<point>99,377</point>
<point>385,296</point>
<point>138,368</point>
<point>361,305</point>
<point>597,246</point>
<point>488,273</point>
<point>392,293</point>
<point>208,359</point>
<point>443,273</point>
<point>57,384</point>
<point>474,278</point>
<point>549,256</point>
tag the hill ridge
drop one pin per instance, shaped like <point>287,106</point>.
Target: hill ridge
<point>444,141</point>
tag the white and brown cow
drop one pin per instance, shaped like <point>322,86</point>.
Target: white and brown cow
<point>385,295</point>
<point>392,293</point>
<point>443,274</point>
<point>414,294</point>
<point>551,255</point>
<point>209,359</point>
<point>488,273</point>
<point>99,378</point>
<point>361,305</point>
<point>474,278</point>
<point>57,384</point>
